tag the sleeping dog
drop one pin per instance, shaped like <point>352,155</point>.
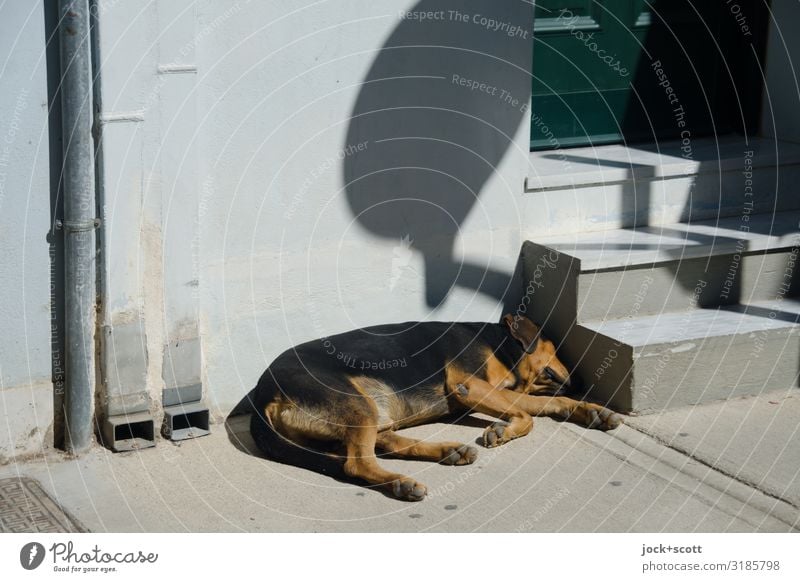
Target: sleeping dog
<point>356,389</point>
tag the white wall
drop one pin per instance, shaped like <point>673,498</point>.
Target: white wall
<point>240,214</point>
<point>26,391</point>
<point>227,148</point>
<point>284,258</point>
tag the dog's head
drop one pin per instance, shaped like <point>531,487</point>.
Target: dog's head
<point>539,369</point>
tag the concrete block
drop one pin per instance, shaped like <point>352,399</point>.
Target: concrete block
<point>129,432</point>
<point>181,367</point>
<point>672,286</point>
<point>631,247</point>
<point>619,186</point>
<point>652,363</point>
<point>660,317</point>
<point>125,368</point>
<point>185,421</point>
<point>181,395</point>
<point>635,272</point>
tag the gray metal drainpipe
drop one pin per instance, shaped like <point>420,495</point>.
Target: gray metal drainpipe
<point>79,223</point>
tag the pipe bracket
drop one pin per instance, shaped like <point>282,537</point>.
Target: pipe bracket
<point>78,225</point>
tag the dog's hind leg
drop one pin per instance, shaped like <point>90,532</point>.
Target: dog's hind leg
<point>408,448</point>
<point>361,463</point>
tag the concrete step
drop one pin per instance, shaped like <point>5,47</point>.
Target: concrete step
<point>651,270</point>
<point>657,317</point>
<point>619,186</point>
<point>651,363</point>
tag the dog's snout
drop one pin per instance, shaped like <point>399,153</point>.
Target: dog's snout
<point>564,387</point>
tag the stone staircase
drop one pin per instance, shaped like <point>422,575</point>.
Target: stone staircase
<point>617,186</point>
<point>654,317</point>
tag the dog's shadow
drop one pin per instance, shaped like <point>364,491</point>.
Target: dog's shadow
<point>237,427</point>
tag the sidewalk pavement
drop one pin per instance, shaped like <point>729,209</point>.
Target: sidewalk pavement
<point>727,466</point>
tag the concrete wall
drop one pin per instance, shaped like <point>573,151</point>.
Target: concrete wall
<point>782,93</point>
<point>276,172</point>
<point>26,391</point>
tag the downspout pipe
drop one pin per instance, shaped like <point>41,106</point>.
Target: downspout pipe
<point>79,223</point>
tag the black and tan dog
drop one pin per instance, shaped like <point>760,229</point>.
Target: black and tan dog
<point>357,388</point>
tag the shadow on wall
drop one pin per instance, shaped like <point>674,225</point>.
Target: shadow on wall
<point>438,111</point>
<point>697,78</point>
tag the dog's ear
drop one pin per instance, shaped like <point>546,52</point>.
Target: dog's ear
<point>523,330</point>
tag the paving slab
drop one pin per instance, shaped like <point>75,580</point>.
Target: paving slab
<point>559,478</point>
<point>26,507</point>
<point>755,440</point>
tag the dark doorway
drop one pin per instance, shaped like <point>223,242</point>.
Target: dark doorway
<point>608,71</point>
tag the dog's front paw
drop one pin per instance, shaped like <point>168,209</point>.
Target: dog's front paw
<point>463,455</point>
<point>601,418</point>
<point>495,435</point>
<point>408,489</point>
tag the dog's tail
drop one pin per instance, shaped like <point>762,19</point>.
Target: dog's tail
<point>280,448</point>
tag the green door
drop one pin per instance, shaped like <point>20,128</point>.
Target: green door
<point>607,71</point>
<point>584,58</point>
